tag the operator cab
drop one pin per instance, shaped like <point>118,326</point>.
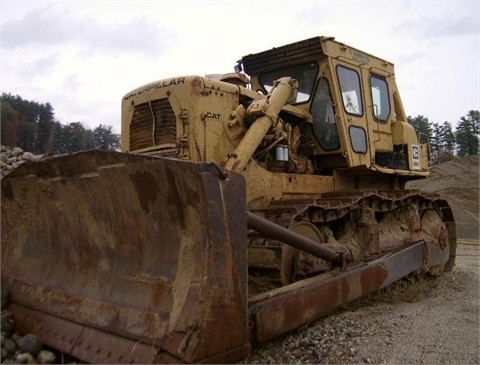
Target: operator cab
<point>357,118</point>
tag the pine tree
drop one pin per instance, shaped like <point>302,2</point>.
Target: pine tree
<point>422,127</point>
<point>435,143</point>
<point>46,126</point>
<point>447,140</point>
<point>33,127</point>
<point>467,134</point>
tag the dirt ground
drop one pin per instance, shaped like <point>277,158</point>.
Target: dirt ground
<point>442,325</point>
<point>435,321</point>
<point>438,326</point>
<point>458,182</point>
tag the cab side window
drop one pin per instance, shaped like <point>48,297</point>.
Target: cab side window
<point>350,89</point>
<point>324,125</point>
<point>358,139</point>
<point>381,101</point>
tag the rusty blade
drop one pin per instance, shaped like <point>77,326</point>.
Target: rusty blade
<point>150,250</point>
<point>282,310</point>
<point>82,342</point>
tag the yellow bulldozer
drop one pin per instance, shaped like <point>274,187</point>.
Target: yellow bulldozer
<point>241,207</point>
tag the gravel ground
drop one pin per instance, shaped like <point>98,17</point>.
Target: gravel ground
<point>434,321</point>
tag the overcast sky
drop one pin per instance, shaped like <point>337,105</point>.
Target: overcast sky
<point>83,56</point>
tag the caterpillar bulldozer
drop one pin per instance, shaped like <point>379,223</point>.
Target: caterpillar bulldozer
<point>241,207</point>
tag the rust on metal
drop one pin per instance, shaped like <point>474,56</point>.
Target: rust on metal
<point>142,254</point>
<point>88,344</point>
<point>281,310</point>
<point>284,309</point>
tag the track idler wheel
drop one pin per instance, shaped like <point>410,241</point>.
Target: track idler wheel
<point>297,264</point>
<point>437,231</point>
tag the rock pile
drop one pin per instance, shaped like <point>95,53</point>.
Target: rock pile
<point>12,157</point>
<point>17,348</point>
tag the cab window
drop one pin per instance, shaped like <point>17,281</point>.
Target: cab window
<point>358,139</point>
<point>324,125</point>
<point>381,101</point>
<point>350,89</point>
<point>305,74</point>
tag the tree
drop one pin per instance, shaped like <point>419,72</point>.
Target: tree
<point>57,144</point>
<point>28,124</point>
<point>422,127</point>
<point>442,143</point>
<point>74,137</point>
<point>104,138</point>
<point>435,143</point>
<point>9,125</point>
<point>447,143</point>
<point>32,126</point>
<point>467,134</point>
<point>27,133</point>
<point>46,126</point>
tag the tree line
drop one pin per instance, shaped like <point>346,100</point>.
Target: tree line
<point>33,127</point>
<point>446,142</point>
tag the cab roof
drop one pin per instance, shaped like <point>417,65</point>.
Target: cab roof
<point>308,50</point>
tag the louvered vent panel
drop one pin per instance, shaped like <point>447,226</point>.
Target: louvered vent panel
<point>169,152</point>
<point>165,122</point>
<point>141,127</point>
<point>153,126</point>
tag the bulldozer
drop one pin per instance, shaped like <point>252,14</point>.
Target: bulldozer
<point>241,207</point>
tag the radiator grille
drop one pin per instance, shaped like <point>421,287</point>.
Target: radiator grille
<point>170,152</point>
<point>166,123</point>
<point>153,123</point>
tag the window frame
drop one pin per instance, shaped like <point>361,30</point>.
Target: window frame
<point>350,128</point>
<point>284,73</point>
<point>387,96</point>
<point>316,121</point>
<point>360,94</point>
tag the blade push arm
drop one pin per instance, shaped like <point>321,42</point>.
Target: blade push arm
<point>267,111</point>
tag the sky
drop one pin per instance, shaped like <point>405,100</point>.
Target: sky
<point>82,57</point>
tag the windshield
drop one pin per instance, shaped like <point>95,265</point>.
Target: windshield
<point>305,74</point>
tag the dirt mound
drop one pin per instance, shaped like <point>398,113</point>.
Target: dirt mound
<point>458,182</point>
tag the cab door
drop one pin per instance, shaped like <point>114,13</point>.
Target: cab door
<point>379,113</point>
<point>350,91</point>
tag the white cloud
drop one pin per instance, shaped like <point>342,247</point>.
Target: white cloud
<point>52,27</point>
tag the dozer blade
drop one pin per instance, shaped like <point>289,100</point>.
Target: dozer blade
<point>119,258</point>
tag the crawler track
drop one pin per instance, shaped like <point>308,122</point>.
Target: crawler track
<point>368,224</point>
<point>390,235</point>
